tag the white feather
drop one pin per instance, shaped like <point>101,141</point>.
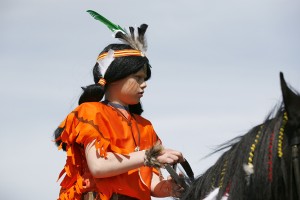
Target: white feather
<point>106,61</point>
<point>134,42</point>
<point>249,170</point>
<point>213,195</point>
<point>224,198</point>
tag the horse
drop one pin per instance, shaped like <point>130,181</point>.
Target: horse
<point>263,164</point>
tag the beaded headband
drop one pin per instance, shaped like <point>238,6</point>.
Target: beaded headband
<point>135,38</point>
<point>105,59</point>
<point>122,53</point>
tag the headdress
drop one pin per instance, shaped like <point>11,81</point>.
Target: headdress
<point>133,37</point>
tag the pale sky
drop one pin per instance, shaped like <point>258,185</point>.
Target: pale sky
<point>215,74</point>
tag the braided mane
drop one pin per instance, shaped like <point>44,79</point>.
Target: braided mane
<point>257,165</point>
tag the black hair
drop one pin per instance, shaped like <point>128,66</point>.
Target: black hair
<point>120,68</point>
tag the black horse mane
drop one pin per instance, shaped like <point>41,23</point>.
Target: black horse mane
<point>263,149</point>
<point>227,173</point>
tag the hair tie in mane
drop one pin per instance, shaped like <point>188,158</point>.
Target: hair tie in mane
<point>281,132</point>
<point>269,169</point>
<point>270,159</point>
<point>249,168</point>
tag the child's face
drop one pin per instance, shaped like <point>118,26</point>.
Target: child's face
<point>129,90</point>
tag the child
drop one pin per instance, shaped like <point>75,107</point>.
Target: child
<point>112,151</point>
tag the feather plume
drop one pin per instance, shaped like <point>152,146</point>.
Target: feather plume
<point>105,62</point>
<point>134,37</point>
<point>225,196</point>
<point>113,27</point>
<point>249,170</point>
<point>128,39</point>
<point>141,36</point>
<point>131,29</point>
<point>213,195</point>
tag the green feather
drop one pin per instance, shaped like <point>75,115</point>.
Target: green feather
<point>113,27</point>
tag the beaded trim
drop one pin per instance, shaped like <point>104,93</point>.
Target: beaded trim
<point>122,53</point>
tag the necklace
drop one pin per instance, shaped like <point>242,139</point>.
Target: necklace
<point>137,148</point>
<point>116,107</point>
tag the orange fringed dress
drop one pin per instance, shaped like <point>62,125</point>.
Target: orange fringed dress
<point>113,133</point>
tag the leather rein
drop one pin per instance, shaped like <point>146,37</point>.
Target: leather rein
<point>184,181</point>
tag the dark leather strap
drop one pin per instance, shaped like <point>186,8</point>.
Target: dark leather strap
<point>183,181</point>
<point>188,170</point>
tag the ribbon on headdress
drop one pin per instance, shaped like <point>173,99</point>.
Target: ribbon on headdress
<point>135,38</point>
<point>106,58</point>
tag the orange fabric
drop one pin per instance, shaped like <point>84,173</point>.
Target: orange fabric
<point>97,121</point>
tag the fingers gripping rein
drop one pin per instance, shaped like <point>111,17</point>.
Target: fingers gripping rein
<point>158,157</point>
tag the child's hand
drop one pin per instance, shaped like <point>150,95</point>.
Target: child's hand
<point>169,156</point>
<point>176,189</point>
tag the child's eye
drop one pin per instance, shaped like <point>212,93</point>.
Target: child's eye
<point>139,78</point>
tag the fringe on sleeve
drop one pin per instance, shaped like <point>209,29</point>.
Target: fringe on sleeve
<point>79,129</point>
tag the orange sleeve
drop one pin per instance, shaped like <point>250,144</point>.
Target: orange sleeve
<point>79,129</point>
<point>82,126</point>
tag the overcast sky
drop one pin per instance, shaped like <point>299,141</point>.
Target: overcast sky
<point>215,68</point>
